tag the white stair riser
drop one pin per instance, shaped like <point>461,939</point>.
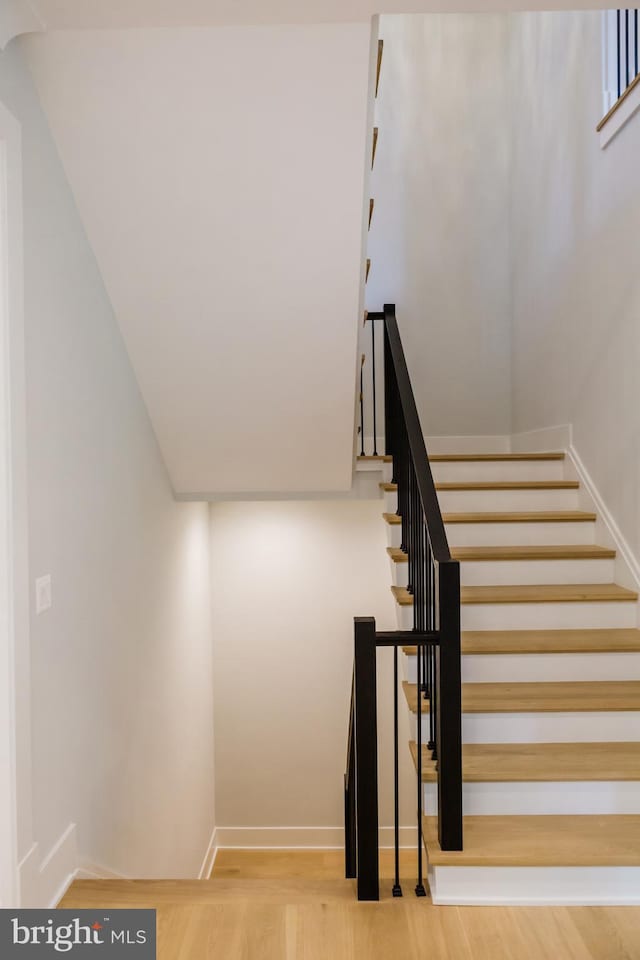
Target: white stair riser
<point>534,885</point>
<point>464,501</point>
<point>497,471</point>
<point>537,616</point>
<point>548,616</point>
<point>542,667</point>
<point>478,573</point>
<point>501,572</point>
<point>537,533</point>
<point>394,534</point>
<point>390,502</point>
<point>520,799</point>
<point>560,727</point>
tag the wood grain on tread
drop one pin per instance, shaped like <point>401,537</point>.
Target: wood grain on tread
<point>374,146</point>
<point>541,841</point>
<point>536,516</point>
<point>535,593</point>
<point>398,555</point>
<point>626,640</point>
<point>540,762</point>
<point>578,551</point>
<point>549,593</point>
<point>569,697</point>
<point>521,516</point>
<point>383,458</point>
<point>492,457</point>
<point>498,485</point>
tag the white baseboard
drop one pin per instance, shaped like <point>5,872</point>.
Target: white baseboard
<point>209,857</point>
<point>96,871</point>
<point>542,440</point>
<point>627,564</point>
<point>43,881</point>
<point>291,838</point>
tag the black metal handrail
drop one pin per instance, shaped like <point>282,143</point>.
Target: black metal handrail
<point>434,582</point>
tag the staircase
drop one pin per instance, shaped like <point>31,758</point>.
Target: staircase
<point>550,689</point>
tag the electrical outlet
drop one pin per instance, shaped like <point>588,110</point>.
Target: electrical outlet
<point>43,594</point>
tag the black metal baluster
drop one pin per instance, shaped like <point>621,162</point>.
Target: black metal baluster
<point>626,47</point>
<point>618,30</point>
<point>432,661</point>
<point>397,889</point>
<point>420,890</point>
<point>362,406</point>
<point>373,378</point>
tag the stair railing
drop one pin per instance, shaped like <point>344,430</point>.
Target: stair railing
<point>434,583</point>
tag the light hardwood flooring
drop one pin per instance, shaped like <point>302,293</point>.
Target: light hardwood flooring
<point>294,905</point>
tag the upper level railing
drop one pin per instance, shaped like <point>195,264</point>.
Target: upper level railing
<point>434,583</point>
<point>621,63</point>
<point>626,49</point>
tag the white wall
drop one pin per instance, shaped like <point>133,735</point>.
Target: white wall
<point>220,176</point>
<point>575,224</point>
<point>439,237</point>
<point>288,579</point>
<point>121,666</point>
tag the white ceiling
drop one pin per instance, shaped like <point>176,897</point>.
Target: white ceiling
<point>65,14</point>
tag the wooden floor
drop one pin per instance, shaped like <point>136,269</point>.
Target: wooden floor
<point>290,905</point>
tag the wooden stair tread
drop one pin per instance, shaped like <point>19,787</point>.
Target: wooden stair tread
<point>626,640</point>
<point>578,551</point>
<point>521,516</point>
<point>492,457</point>
<point>540,762</point>
<point>498,485</point>
<point>378,456</point>
<point>537,516</point>
<point>535,593</point>
<point>540,841</point>
<point>567,697</point>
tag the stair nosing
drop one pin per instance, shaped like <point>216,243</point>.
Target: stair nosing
<point>525,516</point>
<point>534,552</point>
<point>541,704</point>
<point>533,593</point>
<point>537,773</point>
<point>527,642</point>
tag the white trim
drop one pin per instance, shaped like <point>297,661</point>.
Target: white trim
<point>300,838</point>
<point>210,857</point>
<point>627,564</point>
<point>535,886</point>
<point>14,625</point>
<point>43,882</point>
<point>95,871</point>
